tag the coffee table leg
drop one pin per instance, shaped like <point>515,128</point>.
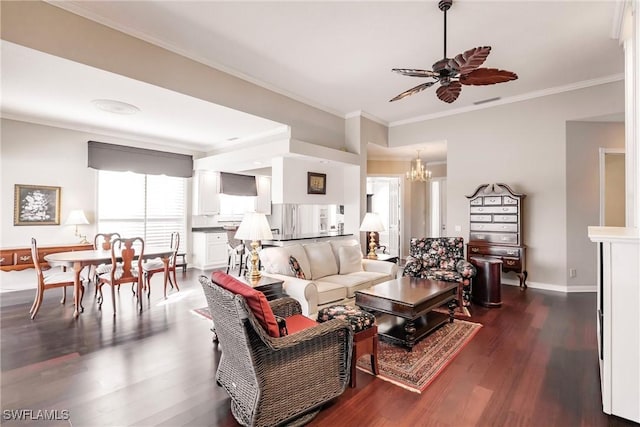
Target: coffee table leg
<point>410,334</point>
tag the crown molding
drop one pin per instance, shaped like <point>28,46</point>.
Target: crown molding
<point>509,100</point>
<point>368,116</point>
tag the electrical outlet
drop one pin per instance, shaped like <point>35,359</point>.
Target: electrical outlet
<point>458,228</point>
<point>573,272</point>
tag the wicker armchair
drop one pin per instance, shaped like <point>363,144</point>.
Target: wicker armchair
<point>276,380</point>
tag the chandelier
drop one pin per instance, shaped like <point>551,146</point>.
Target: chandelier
<point>418,172</point>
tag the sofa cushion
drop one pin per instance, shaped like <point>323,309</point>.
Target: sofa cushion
<point>350,259</point>
<point>355,281</point>
<point>276,260</point>
<point>330,292</point>
<point>321,259</point>
<point>256,301</point>
<point>337,244</point>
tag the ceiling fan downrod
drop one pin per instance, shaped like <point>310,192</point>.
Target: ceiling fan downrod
<point>445,5</point>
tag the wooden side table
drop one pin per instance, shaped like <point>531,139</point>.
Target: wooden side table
<point>269,286</point>
<point>486,285</point>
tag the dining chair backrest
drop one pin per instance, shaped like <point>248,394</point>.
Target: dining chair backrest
<point>124,247</point>
<point>175,245</point>
<point>34,258</point>
<point>104,240</point>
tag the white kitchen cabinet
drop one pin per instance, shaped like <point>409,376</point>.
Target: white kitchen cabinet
<point>206,190</point>
<point>618,321</point>
<point>263,201</point>
<point>209,250</point>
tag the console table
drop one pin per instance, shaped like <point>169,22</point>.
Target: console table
<point>20,258</point>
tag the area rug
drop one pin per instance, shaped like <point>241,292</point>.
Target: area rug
<point>415,370</point>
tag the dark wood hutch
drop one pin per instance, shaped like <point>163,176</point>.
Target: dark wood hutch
<point>495,227</point>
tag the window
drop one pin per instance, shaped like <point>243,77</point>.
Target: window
<point>233,208</point>
<point>149,206</point>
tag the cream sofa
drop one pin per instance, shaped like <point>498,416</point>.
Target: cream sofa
<point>329,272</point>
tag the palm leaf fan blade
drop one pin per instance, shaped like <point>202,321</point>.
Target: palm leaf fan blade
<point>487,76</point>
<point>411,91</point>
<point>450,92</point>
<point>414,72</point>
<point>470,59</point>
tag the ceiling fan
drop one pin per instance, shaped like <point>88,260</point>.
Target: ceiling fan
<point>452,73</point>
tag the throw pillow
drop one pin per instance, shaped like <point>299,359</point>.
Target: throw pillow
<point>350,259</point>
<point>295,268</point>
<point>256,301</point>
<point>276,260</point>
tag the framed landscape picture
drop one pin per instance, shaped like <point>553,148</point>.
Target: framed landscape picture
<point>316,183</point>
<point>36,205</point>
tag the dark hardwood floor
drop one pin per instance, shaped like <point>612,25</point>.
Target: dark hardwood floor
<point>534,363</point>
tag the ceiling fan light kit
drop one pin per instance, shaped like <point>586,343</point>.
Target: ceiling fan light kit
<point>452,73</point>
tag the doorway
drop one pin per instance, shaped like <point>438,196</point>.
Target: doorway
<point>437,196</point>
<point>612,187</point>
<point>383,198</point>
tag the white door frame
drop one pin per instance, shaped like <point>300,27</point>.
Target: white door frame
<point>601,155</point>
<point>443,207</point>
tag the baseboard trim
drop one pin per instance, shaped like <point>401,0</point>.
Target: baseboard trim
<point>551,287</point>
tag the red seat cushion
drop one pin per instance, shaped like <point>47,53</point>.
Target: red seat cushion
<point>255,300</point>
<point>298,322</point>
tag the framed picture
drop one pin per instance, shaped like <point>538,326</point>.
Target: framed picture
<point>316,183</point>
<point>36,205</point>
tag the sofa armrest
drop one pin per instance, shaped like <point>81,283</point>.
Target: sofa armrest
<point>302,290</point>
<point>385,267</point>
<point>466,269</point>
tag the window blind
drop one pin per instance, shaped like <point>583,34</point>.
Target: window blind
<point>112,157</point>
<point>238,185</point>
<point>147,206</point>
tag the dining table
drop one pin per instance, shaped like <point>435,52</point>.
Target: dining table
<point>77,260</point>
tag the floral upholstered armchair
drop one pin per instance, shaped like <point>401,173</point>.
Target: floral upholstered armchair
<point>441,258</point>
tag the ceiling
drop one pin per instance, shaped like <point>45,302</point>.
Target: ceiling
<point>334,55</point>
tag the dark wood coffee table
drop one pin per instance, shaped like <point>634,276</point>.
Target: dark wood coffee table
<point>408,303</point>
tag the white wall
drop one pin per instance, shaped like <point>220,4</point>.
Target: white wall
<point>46,155</point>
<point>289,181</point>
<point>583,195</point>
<point>523,145</point>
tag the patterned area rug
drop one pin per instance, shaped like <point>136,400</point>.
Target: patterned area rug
<point>415,370</point>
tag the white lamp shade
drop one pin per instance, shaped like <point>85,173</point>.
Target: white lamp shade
<point>76,217</point>
<point>372,222</point>
<point>254,226</point>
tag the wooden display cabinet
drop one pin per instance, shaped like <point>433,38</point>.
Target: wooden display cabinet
<point>495,228</point>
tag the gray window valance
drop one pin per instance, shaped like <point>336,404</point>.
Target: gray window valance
<point>113,157</point>
<point>238,185</point>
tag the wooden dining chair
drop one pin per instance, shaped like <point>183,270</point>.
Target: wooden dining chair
<point>101,241</point>
<point>129,270</point>
<point>157,265</point>
<point>48,279</point>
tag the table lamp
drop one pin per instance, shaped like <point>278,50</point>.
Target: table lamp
<point>77,217</point>
<point>254,227</point>
<point>372,223</point>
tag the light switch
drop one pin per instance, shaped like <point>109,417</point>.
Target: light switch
<point>458,228</point>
